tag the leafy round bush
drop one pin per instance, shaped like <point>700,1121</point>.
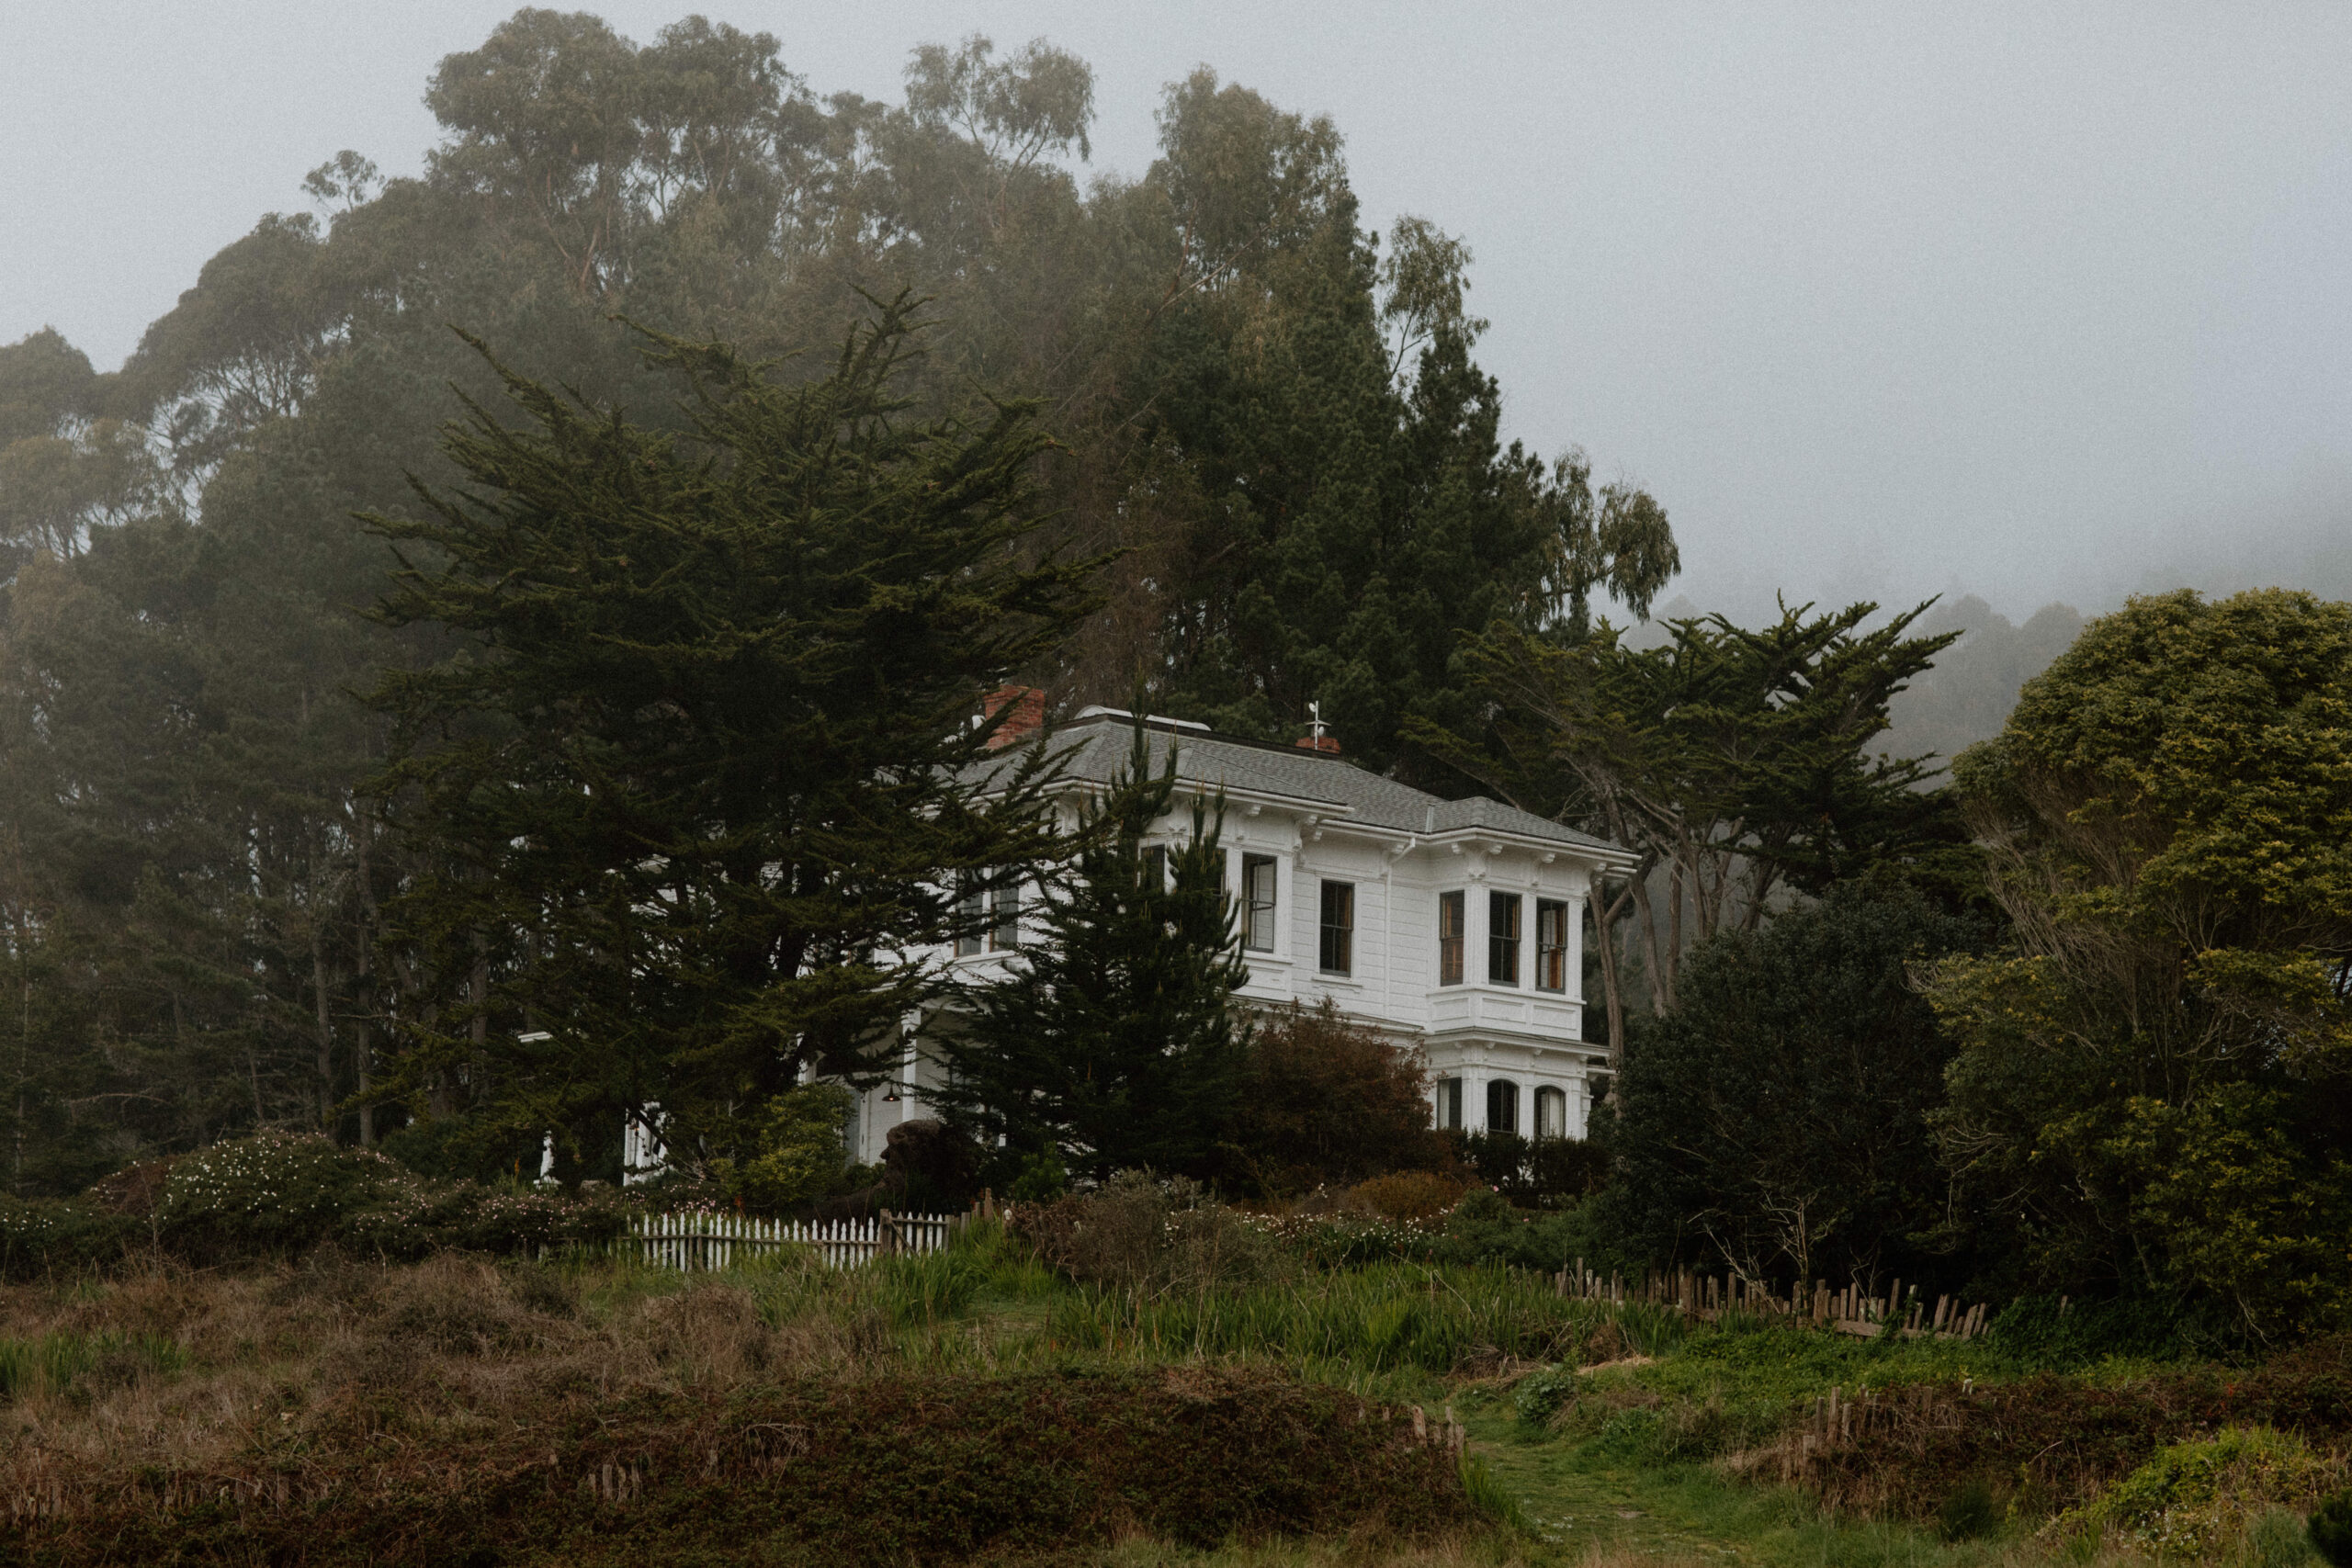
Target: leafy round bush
<point>2330,1529</point>
<point>2192,1496</point>
<point>1540,1395</point>
<point>801,1155</point>
<point>1409,1195</point>
<point>44,1233</point>
<point>272,1192</point>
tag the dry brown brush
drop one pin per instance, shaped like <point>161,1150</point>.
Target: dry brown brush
<point>2045,1443</point>
<point>458,1411</point>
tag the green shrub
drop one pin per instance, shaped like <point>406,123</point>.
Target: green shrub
<point>2191,1497</point>
<point>1484,1229</point>
<point>2330,1529</point>
<point>274,1192</point>
<point>47,1235</point>
<point>1137,1234</point>
<point>802,1155</point>
<point>1042,1179</point>
<point>279,1194</point>
<point>1540,1395</point>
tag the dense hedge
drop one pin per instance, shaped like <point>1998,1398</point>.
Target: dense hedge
<point>280,1194</point>
<point>889,1470</point>
<point>2054,1441</point>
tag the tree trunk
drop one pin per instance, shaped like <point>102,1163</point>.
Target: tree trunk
<point>326,1030</point>
<point>1606,920</point>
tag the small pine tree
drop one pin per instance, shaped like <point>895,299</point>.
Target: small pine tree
<point>1113,1043</point>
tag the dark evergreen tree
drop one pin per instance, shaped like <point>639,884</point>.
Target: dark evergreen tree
<point>694,778</point>
<point>1286,436</point>
<point>1114,1043</point>
<point>1776,1121</point>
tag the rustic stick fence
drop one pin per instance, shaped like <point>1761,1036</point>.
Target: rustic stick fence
<point>1849,1310</point>
<point>699,1241</point>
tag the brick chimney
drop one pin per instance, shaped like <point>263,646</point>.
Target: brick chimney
<point>1318,743</point>
<point>1027,717</point>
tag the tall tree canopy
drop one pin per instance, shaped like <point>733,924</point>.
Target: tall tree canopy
<point>2155,1089</point>
<point>1275,421</point>
<point>1735,761</point>
<point>696,774</point>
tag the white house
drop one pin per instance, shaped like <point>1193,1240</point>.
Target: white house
<point>1455,927</point>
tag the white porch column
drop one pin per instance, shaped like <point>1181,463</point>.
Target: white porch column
<point>1576,948</point>
<point>1473,1098</point>
<point>1473,931</point>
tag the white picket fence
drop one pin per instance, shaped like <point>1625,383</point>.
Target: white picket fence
<point>715,1241</point>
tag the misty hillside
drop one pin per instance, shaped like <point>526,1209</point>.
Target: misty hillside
<point>1968,694</point>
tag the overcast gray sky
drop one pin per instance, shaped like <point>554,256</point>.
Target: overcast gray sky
<point>2037,301</point>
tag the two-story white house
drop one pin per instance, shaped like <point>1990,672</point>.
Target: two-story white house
<point>1456,928</point>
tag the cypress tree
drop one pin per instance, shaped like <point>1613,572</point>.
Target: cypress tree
<point>701,771</point>
<point>1114,1043</point>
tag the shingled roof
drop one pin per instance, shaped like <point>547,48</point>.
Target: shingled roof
<point>1094,749</point>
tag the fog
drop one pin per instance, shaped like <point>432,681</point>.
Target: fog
<point>2037,303</point>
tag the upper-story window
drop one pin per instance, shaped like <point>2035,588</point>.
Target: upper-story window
<point>988,921</point>
<point>972,910</point>
<point>1336,954</point>
<point>1551,945</point>
<point>1258,903</point>
<point>1502,939</point>
<point>1155,868</point>
<point>1449,938</point>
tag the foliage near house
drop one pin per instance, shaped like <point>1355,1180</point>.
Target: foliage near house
<point>1327,1103</point>
<point>2153,1091</point>
<point>698,759</point>
<point>1776,1121</point>
<point>280,1196</point>
<point>1735,761</point>
<point>1112,1040</point>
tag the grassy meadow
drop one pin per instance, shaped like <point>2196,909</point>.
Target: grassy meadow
<point>980,1403</point>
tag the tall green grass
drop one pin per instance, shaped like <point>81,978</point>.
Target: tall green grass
<point>1378,1318</point>
<point>66,1363</point>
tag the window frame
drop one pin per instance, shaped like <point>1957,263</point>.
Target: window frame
<point>1502,1094</point>
<point>972,911</point>
<point>1552,945</point>
<point>1452,936</point>
<point>1551,1106</point>
<point>1004,917</point>
<point>1256,934</point>
<point>1341,933</point>
<point>1503,947</point>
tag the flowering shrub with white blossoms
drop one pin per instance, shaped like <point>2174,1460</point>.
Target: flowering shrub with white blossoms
<point>278,1193</point>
